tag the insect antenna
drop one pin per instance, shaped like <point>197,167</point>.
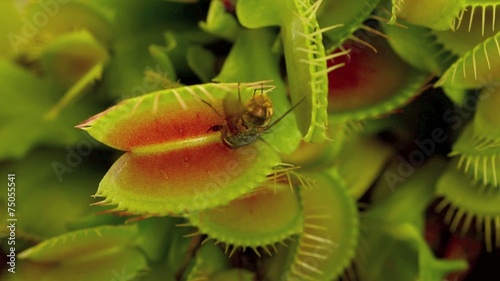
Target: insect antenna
<point>284,114</point>
<point>212,107</point>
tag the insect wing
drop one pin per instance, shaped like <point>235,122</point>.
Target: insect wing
<point>233,110</point>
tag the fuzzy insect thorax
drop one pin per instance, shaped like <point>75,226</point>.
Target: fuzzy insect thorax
<point>258,111</point>
<point>244,123</point>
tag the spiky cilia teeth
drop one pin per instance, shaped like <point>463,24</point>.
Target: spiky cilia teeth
<point>467,204</point>
<point>471,27</point>
<point>419,47</point>
<point>476,39</point>
<point>487,120</point>
<point>304,52</point>
<point>350,15</point>
<point>479,161</point>
<point>268,215</point>
<point>212,174</point>
<point>74,254</point>
<point>435,14</point>
<point>478,147</point>
<point>391,236</point>
<point>476,68</point>
<point>330,235</point>
<point>304,49</point>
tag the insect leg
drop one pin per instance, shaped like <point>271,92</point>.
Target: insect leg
<point>239,95</point>
<point>284,114</point>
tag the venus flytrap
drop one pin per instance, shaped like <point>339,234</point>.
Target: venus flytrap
<point>481,61</point>
<point>473,25</point>
<point>165,66</point>
<point>304,54</point>
<point>330,234</point>
<point>162,28</point>
<point>187,165</point>
<point>53,50</point>
<point>419,47</point>
<point>251,59</point>
<point>362,155</point>
<point>371,84</point>
<point>397,222</point>
<point>438,15</point>
<point>39,23</point>
<point>12,27</point>
<point>263,217</point>
<point>89,254</point>
<point>486,122</point>
<point>78,52</point>
<point>199,202</point>
<point>219,22</point>
<point>36,96</point>
<point>480,164</point>
<point>349,17</point>
<point>33,228</point>
<point>469,206</point>
<point>202,62</point>
<point>64,18</point>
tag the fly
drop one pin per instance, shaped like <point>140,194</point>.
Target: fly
<point>244,123</point>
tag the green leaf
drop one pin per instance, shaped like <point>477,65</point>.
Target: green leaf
<point>360,162</point>
<point>161,56</point>
<point>347,15</point>
<point>435,14</point>
<point>476,68</point>
<point>67,179</point>
<point>467,202</point>
<point>331,227</point>
<point>251,59</point>
<point>155,236</point>
<point>103,253</point>
<point>267,215</point>
<point>416,45</point>
<point>11,23</point>
<point>234,274</point>
<point>202,62</point>
<point>262,13</point>
<point>304,55</point>
<point>219,22</point>
<point>33,98</point>
<point>371,84</point>
<point>394,246</point>
<point>70,57</point>
<point>64,18</point>
<point>209,260</point>
<point>175,161</point>
<point>89,78</point>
